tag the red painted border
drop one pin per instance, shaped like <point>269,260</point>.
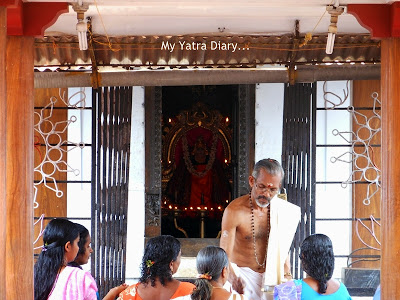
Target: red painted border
<point>40,16</point>
<point>374,17</point>
<point>395,19</point>
<point>382,20</point>
<point>15,19</point>
<point>9,2</point>
<point>32,19</point>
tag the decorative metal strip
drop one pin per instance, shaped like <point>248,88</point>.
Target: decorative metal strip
<point>112,108</point>
<point>362,160</point>
<point>54,152</point>
<point>297,151</point>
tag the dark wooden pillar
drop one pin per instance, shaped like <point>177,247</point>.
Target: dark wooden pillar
<point>390,207</point>
<point>153,146</point>
<point>3,107</point>
<point>383,21</point>
<point>19,169</point>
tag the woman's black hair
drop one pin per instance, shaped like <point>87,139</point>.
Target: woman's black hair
<point>318,259</point>
<point>158,254</point>
<point>83,235</point>
<point>210,261</point>
<point>56,234</point>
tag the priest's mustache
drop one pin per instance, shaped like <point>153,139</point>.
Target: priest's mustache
<point>263,197</point>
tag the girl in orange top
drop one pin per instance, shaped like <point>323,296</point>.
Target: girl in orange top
<point>161,259</point>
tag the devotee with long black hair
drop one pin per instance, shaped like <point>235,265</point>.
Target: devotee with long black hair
<point>318,261</point>
<point>53,279</point>
<point>161,259</point>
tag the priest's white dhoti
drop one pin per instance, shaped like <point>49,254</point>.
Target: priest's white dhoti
<point>253,282</point>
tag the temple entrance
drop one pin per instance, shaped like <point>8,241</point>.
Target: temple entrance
<point>207,125</point>
<point>197,164</point>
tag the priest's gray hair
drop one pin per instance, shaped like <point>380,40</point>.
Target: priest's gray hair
<point>271,166</point>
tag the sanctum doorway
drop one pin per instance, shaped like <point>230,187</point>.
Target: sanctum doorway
<point>199,150</point>
<point>196,159</point>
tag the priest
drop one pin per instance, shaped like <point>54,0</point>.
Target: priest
<point>257,231</point>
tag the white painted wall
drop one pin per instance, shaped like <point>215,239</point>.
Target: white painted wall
<point>269,120</point>
<point>136,195</point>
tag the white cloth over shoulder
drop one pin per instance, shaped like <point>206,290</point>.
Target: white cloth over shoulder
<point>284,218</point>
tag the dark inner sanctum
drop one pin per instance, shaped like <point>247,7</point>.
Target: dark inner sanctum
<point>196,159</point>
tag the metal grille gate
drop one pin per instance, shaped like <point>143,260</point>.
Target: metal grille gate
<point>111,121</point>
<point>298,160</point>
